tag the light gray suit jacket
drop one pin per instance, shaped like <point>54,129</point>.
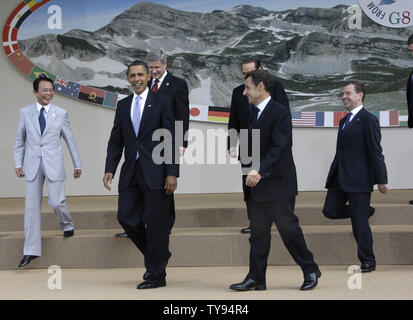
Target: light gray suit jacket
<point>30,146</point>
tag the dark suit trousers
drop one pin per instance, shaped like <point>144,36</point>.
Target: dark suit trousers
<point>263,214</point>
<point>358,209</point>
<point>144,214</point>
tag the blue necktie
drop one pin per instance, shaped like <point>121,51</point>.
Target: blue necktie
<point>253,116</point>
<point>42,120</point>
<point>136,119</point>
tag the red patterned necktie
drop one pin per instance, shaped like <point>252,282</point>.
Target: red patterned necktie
<point>155,86</point>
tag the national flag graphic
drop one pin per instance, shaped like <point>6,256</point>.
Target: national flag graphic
<point>67,87</point>
<point>319,119</point>
<point>18,16</point>
<point>10,44</point>
<point>35,4</point>
<point>329,119</point>
<point>91,94</point>
<point>403,118</point>
<point>338,116</point>
<point>111,99</point>
<point>21,62</point>
<point>394,118</point>
<point>198,113</point>
<point>303,119</point>
<point>37,71</point>
<point>218,114</point>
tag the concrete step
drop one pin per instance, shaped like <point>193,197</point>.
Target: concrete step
<point>225,246</point>
<point>205,217</point>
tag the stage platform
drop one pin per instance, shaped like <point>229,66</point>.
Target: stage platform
<point>208,252</point>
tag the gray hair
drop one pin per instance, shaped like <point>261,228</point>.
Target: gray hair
<point>157,55</point>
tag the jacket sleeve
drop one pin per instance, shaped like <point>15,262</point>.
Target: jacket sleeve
<point>115,145</point>
<point>19,144</point>
<point>181,104</point>
<point>373,138</point>
<point>70,142</point>
<point>233,123</point>
<point>279,95</point>
<point>168,123</point>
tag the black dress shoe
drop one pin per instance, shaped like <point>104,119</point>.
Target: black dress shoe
<point>371,211</point>
<point>146,275</point>
<point>365,267</point>
<point>26,260</point>
<point>248,284</point>
<point>151,284</point>
<point>310,280</point>
<point>68,234</point>
<point>411,201</point>
<point>246,230</point>
<point>122,236</point>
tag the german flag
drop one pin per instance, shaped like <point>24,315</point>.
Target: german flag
<point>218,114</point>
<point>91,94</point>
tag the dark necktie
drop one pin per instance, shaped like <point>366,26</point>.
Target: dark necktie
<point>42,120</point>
<point>155,86</point>
<point>347,123</point>
<point>253,116</point>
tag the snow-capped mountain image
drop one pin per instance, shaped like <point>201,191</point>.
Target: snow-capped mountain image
<point>312,51</point>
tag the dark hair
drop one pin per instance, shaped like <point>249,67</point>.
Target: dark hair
<point>410,40</point>
<point>252,60</point>
<point>42,77</point>
<point>358,86</point>
<point>263,76</point>
<point>137,63</point>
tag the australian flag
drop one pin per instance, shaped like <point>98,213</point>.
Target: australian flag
<point>67,87</point>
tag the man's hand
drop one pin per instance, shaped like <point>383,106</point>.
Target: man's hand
<point>20,172</point>
<point>77,173</point>
<point>107,180</point>
<point>170,185</point>
<point>253,178</point>
<point>182,151</point>
<point>232,152</point>
<point>382,188</point>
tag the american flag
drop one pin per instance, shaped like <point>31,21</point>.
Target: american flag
<point>67,87</point>
<point>303,119</point>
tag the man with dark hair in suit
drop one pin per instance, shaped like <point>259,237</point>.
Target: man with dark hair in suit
<point>165,83</point>
<point>241,109</point>
<point>270,187</point>
<point>357,166</point>
<point>145,184</point>
<point>409,92</point>
<point>38,149</point>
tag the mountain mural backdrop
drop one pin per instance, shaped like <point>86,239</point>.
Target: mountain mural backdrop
<point>312,51</point>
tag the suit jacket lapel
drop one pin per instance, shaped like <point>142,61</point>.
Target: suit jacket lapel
<point>165,83</point>
<point>263,115</point>
<point>34,117</point>
<point>355,120</point>
<point>146,111</point>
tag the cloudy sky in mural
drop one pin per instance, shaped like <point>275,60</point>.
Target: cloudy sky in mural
<point>90,15</point>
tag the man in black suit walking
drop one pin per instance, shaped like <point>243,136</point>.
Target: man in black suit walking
<point>271,186</point>
<point>164,82</point>
<point>241,109</point>
<point>145,183</point>
<point>409,92</point>
<point>357,166</point>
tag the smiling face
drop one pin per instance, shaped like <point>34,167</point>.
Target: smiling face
<point>156,69</point>
<point>138,78</point>
<point>351,99</point>
<point>44,93</point>
<point>253,92</point>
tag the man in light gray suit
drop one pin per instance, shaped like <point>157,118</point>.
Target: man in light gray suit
<point>38,148</point>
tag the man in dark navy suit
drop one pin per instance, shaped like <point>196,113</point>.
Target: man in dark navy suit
<point>270,186</point>
<point>241,109</point>
<point>409,92</point>
<point>145,182</point>
<point>164,82</point>
<point>357,166</point>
